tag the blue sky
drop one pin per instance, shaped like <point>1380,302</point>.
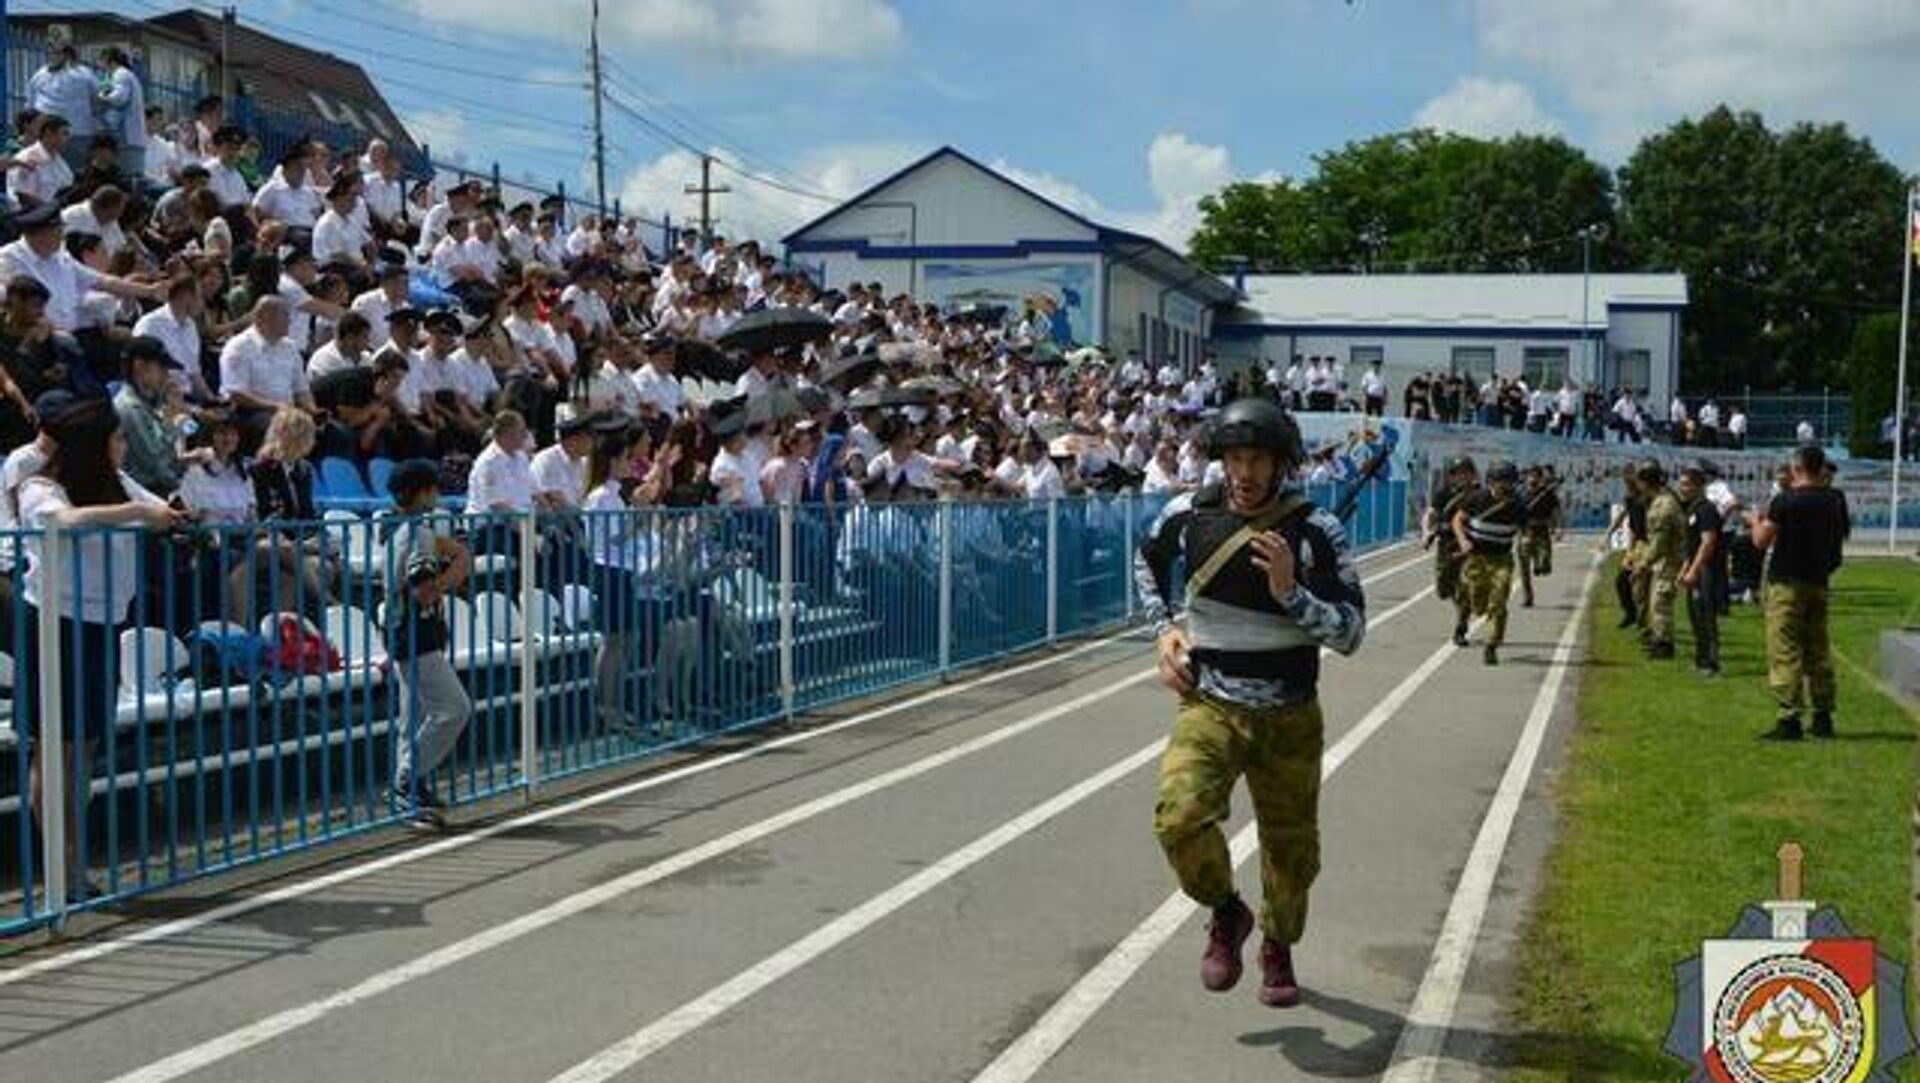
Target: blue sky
<point>1126,109</point>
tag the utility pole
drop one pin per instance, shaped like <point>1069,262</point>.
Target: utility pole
<point>599,129</point>
<point>706,191</point>
<point>227,17</point>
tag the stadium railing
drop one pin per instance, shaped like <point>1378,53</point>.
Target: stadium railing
<point>253,716</point>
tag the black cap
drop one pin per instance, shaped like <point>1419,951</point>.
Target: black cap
<point>405,313</point>
<point>46,214</point>
<point>444,321</point>
<point>52,401</point>
<point>391,271</point>
<point>149,348</point>
<point>194,171</point>
<point>574,426</point>
<point>522,207</point>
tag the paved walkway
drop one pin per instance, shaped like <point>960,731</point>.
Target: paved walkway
<point>963,887</point>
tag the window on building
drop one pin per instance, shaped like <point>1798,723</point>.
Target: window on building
<point>1544,366</point>
<point>1633,369</point>
<point>1473,362</point>
<point>1359,357</point>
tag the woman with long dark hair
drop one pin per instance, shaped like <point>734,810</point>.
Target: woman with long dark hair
<point>82,490</point>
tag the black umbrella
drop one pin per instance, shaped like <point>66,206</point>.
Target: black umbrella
<point>775,328</point>
<point>813,400</point>
<point>773,405</point>
<point>908,396</point>
<point>980,314</point>
<point>868,399</point>
<point>851,372</point>
<point>938,385</point>
<point>701,359</point>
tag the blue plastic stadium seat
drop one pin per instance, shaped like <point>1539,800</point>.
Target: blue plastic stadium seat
<point>379,471</point>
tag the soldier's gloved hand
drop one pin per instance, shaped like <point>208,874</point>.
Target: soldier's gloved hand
<point>1176,670</point>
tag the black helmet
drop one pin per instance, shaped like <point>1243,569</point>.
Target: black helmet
<point>1257,423</point>
<point>1461,463</point>
<point>1650,472</point>
<point>1502,470</point>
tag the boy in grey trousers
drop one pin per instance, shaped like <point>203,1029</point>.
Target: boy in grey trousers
<point>433,705</point>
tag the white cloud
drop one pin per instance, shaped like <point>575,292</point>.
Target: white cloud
<point>1487,109</point>
<point>1179,172</point>
<point>1633,68</point>
<point>443,130</point>
<point>720,31</point>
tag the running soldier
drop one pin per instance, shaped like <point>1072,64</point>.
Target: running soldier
<point>1544,527</point>
<point>1486,527</point>
<point>1462,479</point>
<point>1271,583</point>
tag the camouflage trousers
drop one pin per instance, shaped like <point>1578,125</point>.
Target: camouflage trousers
<point>1533,552</point>
<point>1663,589</point>
<point>1446,567</point>
<point>1799,659</point>
<point>1485,582</point>
<point>1640,576</point>
<point>1278,750</point>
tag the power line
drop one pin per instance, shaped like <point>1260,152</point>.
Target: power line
<point>686,120</point>
<point>676,139</point>
<point>414,32</point>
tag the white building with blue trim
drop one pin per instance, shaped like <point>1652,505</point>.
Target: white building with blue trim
<point>950,230</point>
<point>1607,329</point>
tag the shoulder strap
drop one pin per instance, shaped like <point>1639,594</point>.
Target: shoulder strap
<point>1286,508</point>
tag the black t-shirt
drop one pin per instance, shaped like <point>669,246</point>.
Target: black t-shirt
<point>1637,517</point>
<point>1704,518</point>
<point>1541,506</point>
<point>1811,525</point>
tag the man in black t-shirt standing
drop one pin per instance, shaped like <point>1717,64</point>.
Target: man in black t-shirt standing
<point>1703,570</point>
<point>1804,527</point>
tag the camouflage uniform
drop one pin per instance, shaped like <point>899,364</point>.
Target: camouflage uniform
<point>1446,552</point>
<point>1486,582</point>
<point>1664,557</point>
<point>1533,552</point>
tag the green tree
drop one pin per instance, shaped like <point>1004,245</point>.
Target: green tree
<point>1516,207</point>
<point>1786,241</point>
<point>1872,378</point>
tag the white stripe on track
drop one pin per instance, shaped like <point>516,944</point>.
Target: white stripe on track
<point>694,1014</point>
<point>1031,1051</point>
<point>227,1045</point>
<point>179,927</point>
<point>1416,1055</point>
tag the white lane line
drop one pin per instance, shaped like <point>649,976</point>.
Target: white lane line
<point>1031,1051</point>
<point>694,1014</point>
<point>1416,1056</point>
<point>180,927</point>
<point>284,1022</point>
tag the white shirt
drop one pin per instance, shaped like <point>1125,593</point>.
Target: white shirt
<point>22,463</point>
<point>66,93</point>
<point>273,372</point>
<point>384,198</point>
<point>661,389</point>
<point>554,471</point>
<point>1804,433</point>
<point>738,477</point>
<point>1158,480</point>
<point>299,324</point>
<point>1373,385</point>
<point>223,494</point>
<point>447,255</point>
<point>1677,411</point>
<point>181,337</point>
<point>103,572</point>
<point>485,255</point>
<point>281,201</point>
<point>751,382</point>
<point>67,280</point>
<point>1737,424</point>
<point>434,227</point>
<point>1569,403</point>
<point>329,358</point>
<point>1709,415</point>
<point>916,469</point>
<point>589,308</point>
<point>1539,404</point>
<point>44,182</point>
<point>337,238</point>
<point>163,159</point>
<point>500,479</point>
<point>79,218</point>
<point>474,378</point>
<point>374,305</point>
<point>227,183</point>
<point>1042,481</point>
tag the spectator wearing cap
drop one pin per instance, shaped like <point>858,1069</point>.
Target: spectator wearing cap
<point>39,255</point>
<point>549,248</point>
<point>519,238</point>
<point>181,214</point>
<point>454,271</point>
<point>659,389</point>
<point>124,110</point>
<point>560,471</point>
<point>307,304</point>
<point>583,241</point>
<point>734,472</point>
<point>536,340</point>
<point>223,171</point>
<point>455,388</point>
<point>261,371</point>
<point>433,701</point>
<point>65,89</point>
<point>147,420</point>
<point>458,202</point>
<point>387,296</point>
<point>588,294</point>
<point>31,360</point>
<point>384,190</point>
<point>342,244</point>
<point>41,172</point>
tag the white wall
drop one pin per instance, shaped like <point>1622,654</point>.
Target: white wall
<point>948,202</point>
<point>1653,332</point>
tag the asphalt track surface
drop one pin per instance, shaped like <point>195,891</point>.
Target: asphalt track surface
<point>957,884</point>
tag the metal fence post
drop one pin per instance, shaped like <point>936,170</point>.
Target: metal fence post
<point>1127,512</point>
<point>53,735</point>
<point>786,611</point>
<point>1053,568</point>
<point>529,659</point>
<point>945,524</point>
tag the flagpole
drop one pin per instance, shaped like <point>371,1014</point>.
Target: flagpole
<point>1907,254</point>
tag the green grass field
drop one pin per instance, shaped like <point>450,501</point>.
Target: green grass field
<point>1670,813</point>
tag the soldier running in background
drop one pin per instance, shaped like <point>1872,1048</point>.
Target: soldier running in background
<point>1486,527</point>
<point>1270,583</point>
<point>1462,478</point>
<point>1544,526</point>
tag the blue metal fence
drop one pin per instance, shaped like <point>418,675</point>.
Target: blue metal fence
<point>248,703</point>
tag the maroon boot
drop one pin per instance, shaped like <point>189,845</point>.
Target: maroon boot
<point>1278,988</point>
<point>1231,925</point>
